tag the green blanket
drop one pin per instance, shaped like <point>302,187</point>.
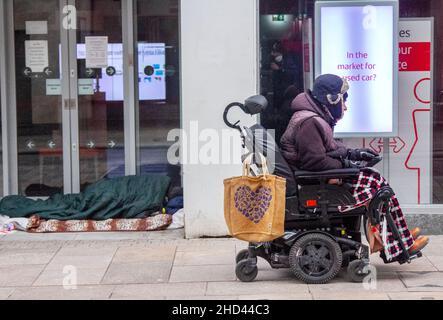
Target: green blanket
<point>126,197</point>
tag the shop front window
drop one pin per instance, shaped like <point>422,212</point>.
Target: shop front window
<point>414,162</point>
<point>159,85</point>
<point>1,148</point>
<point>282,65</point>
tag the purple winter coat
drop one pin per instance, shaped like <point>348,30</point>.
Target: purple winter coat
<point>308,143</point>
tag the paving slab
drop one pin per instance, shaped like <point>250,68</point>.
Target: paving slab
<point>416,296</point>
<point>82,258</point>
<point>11,257</point>
<point>269,274</point>
<point>166,235</point>
<point>383,282</point>
<point>24,236</point>
<point>70,275</point>
<point>423,281</point>
<point>198,258</point>
<point>349,295</point>
<point>60,293</point>
<point>436,261</point>
<point>19,275</point>
<point>277,296</point>
<point>161,253</point>
<point>137,273</point>
<point>202,273</point>
<point>154,291</point>
<point>257,287</point>
<point>5,293</point>
<point>109,236</point>
<point>207,245</point>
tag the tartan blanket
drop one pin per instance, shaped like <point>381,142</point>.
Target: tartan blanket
<point>363,190</point>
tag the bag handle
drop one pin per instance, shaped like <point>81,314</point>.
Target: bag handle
<point>248,161</point>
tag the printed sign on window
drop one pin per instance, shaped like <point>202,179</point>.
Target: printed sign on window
<point>96,52</point>
<point>36,52</point>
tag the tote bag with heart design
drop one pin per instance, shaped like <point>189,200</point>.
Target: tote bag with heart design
<point>255,206</point>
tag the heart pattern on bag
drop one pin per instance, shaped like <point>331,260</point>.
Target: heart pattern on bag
<point>253,204</point>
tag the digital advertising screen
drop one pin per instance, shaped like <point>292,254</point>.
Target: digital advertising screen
<point>151,71</point>
<point>358,40</point>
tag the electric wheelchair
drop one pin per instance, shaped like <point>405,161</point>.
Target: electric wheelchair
<point>319,240</point>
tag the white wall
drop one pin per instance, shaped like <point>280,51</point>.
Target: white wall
<point>219,66</point>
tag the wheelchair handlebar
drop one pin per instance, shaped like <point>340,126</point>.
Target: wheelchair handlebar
<point>226,112</point>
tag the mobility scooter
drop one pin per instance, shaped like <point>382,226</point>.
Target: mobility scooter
<point>319,240</point>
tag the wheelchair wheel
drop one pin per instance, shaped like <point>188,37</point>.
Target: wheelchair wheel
<point>245,271</point>
<point>242,255</point>
<point>315,258</point>
<point>358,270</point>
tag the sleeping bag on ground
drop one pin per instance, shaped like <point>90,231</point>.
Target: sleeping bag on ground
<point>126,197</point>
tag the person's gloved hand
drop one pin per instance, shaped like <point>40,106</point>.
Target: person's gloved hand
<point>361,155</point>
<point>349,164</point>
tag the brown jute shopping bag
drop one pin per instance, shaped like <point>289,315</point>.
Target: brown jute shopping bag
<point>255,206</point>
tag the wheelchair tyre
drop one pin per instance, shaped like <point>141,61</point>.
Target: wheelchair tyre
<point>246,272</point>
<point>315,258</point>
<point>242,255</point>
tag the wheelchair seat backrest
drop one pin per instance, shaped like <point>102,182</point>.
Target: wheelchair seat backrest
<point>265,143</point>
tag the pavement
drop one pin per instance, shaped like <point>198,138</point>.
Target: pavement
<point>163,265</point>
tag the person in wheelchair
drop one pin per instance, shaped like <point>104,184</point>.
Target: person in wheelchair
<point>308,144</point>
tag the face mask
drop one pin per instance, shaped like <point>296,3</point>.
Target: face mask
<point>336,111</point>
<point>279,59</point>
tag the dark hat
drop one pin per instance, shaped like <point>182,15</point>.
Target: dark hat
<point>330,90</point>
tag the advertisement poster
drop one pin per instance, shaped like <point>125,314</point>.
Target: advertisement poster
<point>349,37</point>
<point>36,52</point>
<point>410,159</point>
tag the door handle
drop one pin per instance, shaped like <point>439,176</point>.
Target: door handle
<point>70,104</point>
<point>73,104</point>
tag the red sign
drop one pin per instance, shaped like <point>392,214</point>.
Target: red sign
<point>415,56</point>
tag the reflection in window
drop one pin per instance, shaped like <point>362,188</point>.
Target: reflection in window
<point>281,60</point>
<point>159,95</point>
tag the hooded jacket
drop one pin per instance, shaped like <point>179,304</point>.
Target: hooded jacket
<point>308,143</point>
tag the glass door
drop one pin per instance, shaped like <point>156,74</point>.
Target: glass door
<point>69,93</point>
<point>96,49</point>
<point>39,97</point>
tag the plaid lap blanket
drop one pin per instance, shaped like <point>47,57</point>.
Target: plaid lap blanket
<point>364,189</point>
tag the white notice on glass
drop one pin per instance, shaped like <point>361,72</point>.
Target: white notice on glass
<point>36,27</point>
<point>96,52</point>
<point>53,87</point>
<point>36,55</point>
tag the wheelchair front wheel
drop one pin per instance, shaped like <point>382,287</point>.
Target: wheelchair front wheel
<point>246,271</point>
<point>242,255</point>
<point>358,270</point>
